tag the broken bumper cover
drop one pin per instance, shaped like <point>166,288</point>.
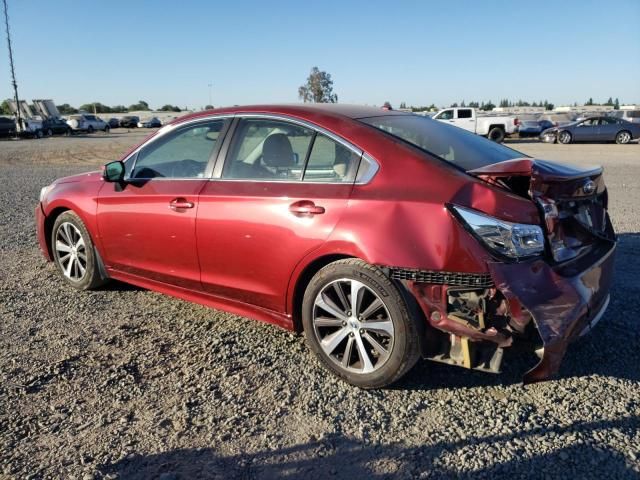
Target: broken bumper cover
<point>565,301</point>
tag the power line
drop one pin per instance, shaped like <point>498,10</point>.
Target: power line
<point>13,72</point>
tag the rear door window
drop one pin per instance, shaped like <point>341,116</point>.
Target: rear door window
<point>330,161</point>
<point>464,113</point>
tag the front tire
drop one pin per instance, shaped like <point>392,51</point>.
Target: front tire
<point>496,134</point>
<point>622,138</point>
<point>90,129</point>
<point>73,252</point>
<point>564,137</point>
<point>358,325</point>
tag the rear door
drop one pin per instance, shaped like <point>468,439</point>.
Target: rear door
<point>608,129</point>
<point>465,119</point>
<point>148,225</point>
<point>278,195</point>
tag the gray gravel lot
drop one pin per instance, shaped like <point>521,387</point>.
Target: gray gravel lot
<point>126,383</point>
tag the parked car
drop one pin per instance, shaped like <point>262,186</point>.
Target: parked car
<point>593,129</point>
<point>129,121</point>
<point>152,122</point>
<point>30,128</point>
<point>494,127</point>
<point>114,122</point>
<point>7,126</point>
<point>87,123</point>
<point>533,128</point>
<point>54,126</point>
<point>381,235</point>
<point>632,116</point>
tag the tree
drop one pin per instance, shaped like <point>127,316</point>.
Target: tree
<point>96,107</point>
<point>119,109</point>
<point>66,109</point>
<point>318,89</point>
<point>174,108</point>
<point>589,102</point>
<point>140,106</point>
<point>504,103</point>
<point>616,105</point>
<point>403,105</point>
<point>474,104</point>
<point>610,102</point>
<point>488,106</point>
<point>4,108</point>
<point>548,106</point>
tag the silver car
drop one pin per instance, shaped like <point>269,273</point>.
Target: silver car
<point>87,123</point>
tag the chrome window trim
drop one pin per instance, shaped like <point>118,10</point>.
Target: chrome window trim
<point>161,133</point>
<point>359,180</point>
<point>317,129</point>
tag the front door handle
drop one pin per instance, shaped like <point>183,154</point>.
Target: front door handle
<point>180,203</point>
<point>305,208</point>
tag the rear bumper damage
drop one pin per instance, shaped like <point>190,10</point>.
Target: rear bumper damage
<point>471,321</point>
<point>564,302</point>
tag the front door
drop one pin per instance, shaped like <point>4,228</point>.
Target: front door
<point>279,196</point>
<point>148,226</point>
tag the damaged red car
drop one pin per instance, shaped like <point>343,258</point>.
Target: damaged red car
<point>383,236</point>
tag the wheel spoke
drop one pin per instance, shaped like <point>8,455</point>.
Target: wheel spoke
<point>356,297</point>
<point>62,247</point>
<point>375,344</point>
<point>371,309</point>
<point>68,233</point>
<point>67,269</point>
<point>343,298</point>
<point>385,326</point>
<point>347,353</point>
<point>330,342</point>
<point>81,269</point>
<point>326,304</point>
<point>367,366</point>
<point>328,322</point>
<point>80,242</point>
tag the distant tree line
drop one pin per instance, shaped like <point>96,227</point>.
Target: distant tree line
<point>97,107</point>
<point>610,103</point>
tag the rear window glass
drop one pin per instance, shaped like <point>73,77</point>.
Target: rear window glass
<point>459,147</point>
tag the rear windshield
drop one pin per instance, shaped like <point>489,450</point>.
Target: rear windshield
<point>459,147</point>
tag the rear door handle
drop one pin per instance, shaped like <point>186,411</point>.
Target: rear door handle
<point>305,207</point>
<point>179,203</point>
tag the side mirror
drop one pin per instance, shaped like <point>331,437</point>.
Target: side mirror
<point>113,171</point>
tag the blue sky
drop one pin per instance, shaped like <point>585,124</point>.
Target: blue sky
<point>420,52</point>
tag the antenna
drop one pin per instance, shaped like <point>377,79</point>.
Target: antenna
<point>13,72</point>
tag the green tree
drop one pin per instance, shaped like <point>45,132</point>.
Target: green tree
<point>4,108</point>
<point>66,109</point>
<point>589,102</point>
<point>140,106</point>
<point>548,106</point>
<point>318,89</point>
<point>96,107</point>
<point>616,105</point>
<point>504,103</point>
<point>403,105</point>
<point>174,108</point>
<point>119,109</point>
<point>610,102</point>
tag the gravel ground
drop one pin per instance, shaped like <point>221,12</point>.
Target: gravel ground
<point>126,383</point>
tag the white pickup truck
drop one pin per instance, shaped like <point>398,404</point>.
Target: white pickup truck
<point>494,127</point>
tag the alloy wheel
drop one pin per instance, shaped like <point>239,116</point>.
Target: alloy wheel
<point>71,251</point>
<point>353,326</point>
<point>623,137</point>
<point>565,137</point>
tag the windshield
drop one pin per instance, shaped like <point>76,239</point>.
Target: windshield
<point>463,149</point>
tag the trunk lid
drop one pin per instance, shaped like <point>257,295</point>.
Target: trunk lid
<point>572,201</point>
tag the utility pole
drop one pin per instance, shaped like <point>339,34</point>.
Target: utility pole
<point>13,72</point>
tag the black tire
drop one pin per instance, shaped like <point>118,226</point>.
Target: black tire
<point>39,134</point>
<point>404,345</point>
<point>496,134</point>
<point>106,129</point>
<point>564,137</point>
<point>49,133</point>
<point>623,137</point>
<point>90,129</point>
<point>68,132</point>
<point>91,277</point>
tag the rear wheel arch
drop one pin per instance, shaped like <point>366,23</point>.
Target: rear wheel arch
<point>303,281</point>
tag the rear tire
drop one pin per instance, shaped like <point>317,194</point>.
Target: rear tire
<point>370,342</point>
<point>623,137</point>
<point>564,137</point>
<point>90,129</point>
<point>49,133</point>
<point>74,254</point>
<point>496,134</point>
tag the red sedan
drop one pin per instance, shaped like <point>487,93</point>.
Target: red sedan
<point>384,236</point>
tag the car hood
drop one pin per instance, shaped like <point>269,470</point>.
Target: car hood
<point>81,177</point>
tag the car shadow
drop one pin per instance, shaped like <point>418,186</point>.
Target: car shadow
<point>342,457</point>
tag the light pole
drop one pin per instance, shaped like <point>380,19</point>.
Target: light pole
<point>13,73</point>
